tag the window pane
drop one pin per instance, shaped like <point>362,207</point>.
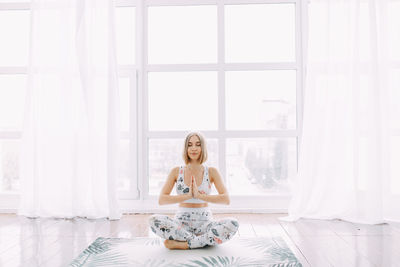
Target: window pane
<point>260,100</point>
<point>260,33</point>
<point>124,178</point>
<point>124,98</point>
<point>126,28</point>
<point>182,34</point>
<point>164,154</point>
<point>14,32</point>
<point>12,100</point>
<point>261,165</point>
<point>183,101</point>
<point>9,170</point>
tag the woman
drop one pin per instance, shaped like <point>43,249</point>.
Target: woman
<point>193,225</point>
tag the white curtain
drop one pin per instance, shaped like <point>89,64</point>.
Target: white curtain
<point>70,135</point>
<point>350,147</point>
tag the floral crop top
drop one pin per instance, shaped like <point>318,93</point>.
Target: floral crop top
<point>182,188</point>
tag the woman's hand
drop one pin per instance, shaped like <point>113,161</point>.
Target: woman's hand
<point>190,193</point>
<point>195,189</point>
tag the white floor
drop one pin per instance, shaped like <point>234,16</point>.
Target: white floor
<point>51,243</point>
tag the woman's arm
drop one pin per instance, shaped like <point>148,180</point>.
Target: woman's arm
<point>165,198</point>
<point>222,197</point>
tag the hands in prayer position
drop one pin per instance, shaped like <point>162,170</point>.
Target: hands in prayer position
<point>194,190</point>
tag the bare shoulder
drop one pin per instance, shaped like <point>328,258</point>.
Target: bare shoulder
<point>213,173</point>
<point>174,172</point>
<point>169,183</point>
<point>216,179</point>
<point>175,169</point>
<point>212,170</point>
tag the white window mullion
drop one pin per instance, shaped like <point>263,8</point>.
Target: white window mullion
<point>182,67</point>
<point>141,55</point>
<point>221,90</point>
<point>10,134</point>
<point>15,6</point>
<point>237,2</point>
<point>179,2</point>
<point>124,3</point>
<point>134,191</point>
<point>226,66</point>
<point>301,57</point>
<point>13,70</point>
<point>227,134</point>
<point>300,49</point>
<point>261,66</point>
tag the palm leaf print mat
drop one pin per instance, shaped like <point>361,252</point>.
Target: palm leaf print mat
<point>150,251</point>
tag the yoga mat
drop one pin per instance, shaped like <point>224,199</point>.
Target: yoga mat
<point>150,251</point>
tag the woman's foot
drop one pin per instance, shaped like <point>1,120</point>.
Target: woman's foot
<point>173,244</point>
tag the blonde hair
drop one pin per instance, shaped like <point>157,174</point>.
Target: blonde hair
<point>204,154</point>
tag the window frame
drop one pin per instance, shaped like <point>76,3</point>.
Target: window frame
<point>279,201</point>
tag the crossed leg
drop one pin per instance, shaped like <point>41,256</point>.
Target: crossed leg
<point>168,228</point>
<point>214,232</point>
<point>172,230</point>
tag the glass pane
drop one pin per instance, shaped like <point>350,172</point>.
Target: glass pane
<point>124,179</point>
<point>260,100</point>
<point>260,33</point>
<point>165,154</point>
<point>393,29</point>
<point>182,34</point>
<point>12,100</point>
<point>261,165</point>
<point>9,170</point>
<point>395,166</point>
<point>183,101</point>
<point>125,34</point>
<point>124,98</point>
<point>14,32</point>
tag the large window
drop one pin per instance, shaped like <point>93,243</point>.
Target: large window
<point>231,69</point>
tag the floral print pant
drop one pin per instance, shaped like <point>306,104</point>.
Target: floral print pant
<point>194,225</point>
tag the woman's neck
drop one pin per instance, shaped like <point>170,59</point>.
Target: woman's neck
<point>192,165</point>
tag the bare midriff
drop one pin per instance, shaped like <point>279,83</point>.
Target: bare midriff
<point>193,205</point>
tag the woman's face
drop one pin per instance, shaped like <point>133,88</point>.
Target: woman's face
<point>194,148</point>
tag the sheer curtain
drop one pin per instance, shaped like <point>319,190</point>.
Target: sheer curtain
<point>70,136</point>
<point>350,138</point>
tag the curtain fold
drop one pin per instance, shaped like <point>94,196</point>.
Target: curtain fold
<point>70,139</point>
<point>350,137</point>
